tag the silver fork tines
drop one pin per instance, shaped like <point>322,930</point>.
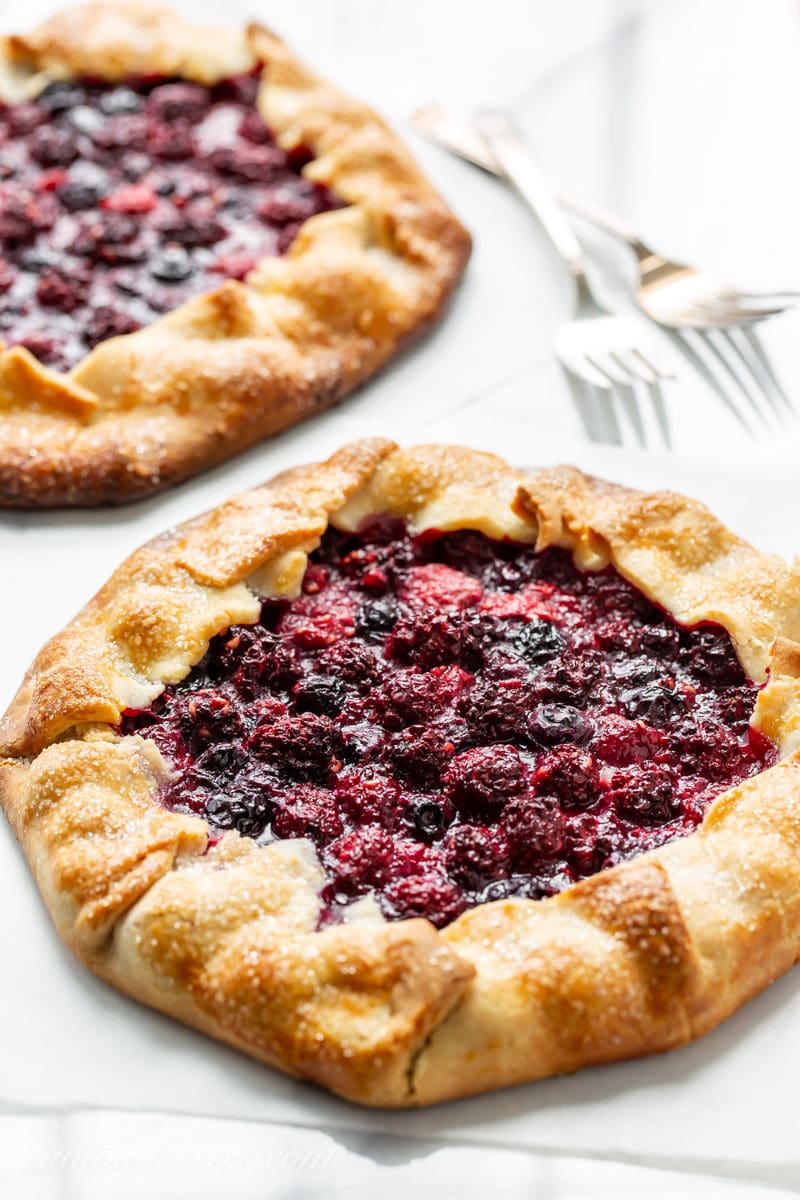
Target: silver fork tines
<point>611,360</point>
<point>710,323</point>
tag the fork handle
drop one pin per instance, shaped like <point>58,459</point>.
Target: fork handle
<point>462,138</point>
<point>518,164</point>
<point>610,224</point>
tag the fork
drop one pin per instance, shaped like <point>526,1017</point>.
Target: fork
<point>710,322</point>
<point>606,357</point>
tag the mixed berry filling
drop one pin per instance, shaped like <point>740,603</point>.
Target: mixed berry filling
<point>452,720</point>
<point>120,201</point>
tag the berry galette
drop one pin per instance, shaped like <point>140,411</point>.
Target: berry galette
<point>201,243</point>
<point>416,775</point>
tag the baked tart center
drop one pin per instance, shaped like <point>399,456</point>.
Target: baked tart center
<point>120,201</point>
<point>453,720</point>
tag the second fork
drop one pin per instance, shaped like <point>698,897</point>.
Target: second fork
<point>608,358</point>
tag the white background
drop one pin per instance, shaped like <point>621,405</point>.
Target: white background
<point>681,116</point>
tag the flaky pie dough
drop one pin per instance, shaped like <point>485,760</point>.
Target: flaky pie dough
<point>235,365</point>
<point>639,958</point>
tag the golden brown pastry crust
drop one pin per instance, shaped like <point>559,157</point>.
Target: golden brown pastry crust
<point>230,367</point>
<point>636,959</point>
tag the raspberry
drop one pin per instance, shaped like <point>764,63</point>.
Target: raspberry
<point>413,857</point>
<point>365,800</point>
<point>252,128</point>
<point>532,602</point>
<point>24,118</point>
<point>52,147</point>
<point>247,162</point>
<point>497,710</point>
<point>431,639</point>
<point>253,657</point>
<point>475,855</point>
<point>295,201</point>
<point>418,755</point>
<point>57,290</point>
<point>482,780</point>
<point>620,742</point>
<point>352,662</point>
<point>437,586</point>
<point>569,774</point>
<point>586,849</point>
<point>135,199</point>
<point>178,102</point>
<point>411,696</point>
<point>46,349</point>
<point>535,830</point>
<point>645,797</point>
<point>430,896</point>
<point>127,131</point>
<point>569,679</point>
<point>191,226</point>
<point>304,746</point>
<point>317,621</point>
<point>236,264</point>
<point>207,716</point>
<point>307,812</point>
<point>105,322</point>
<point>360,860</point>
<point>174,143</point>
<point>24,214</point>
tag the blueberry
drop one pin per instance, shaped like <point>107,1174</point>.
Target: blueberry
<point>660,641</point>
<point>247,817</point>
<point>552,724</point>
<point>77,196</point>
<point>376,618</point>
<point>85,119</point>
<point>219,764</point>
<point>60,96</point>
<point>539,641</point>
<point>425,819</point>
<point>38,258</point>
<point>120,100</point>
<point>319,694</point>
<point>172,265</point>
<point>653,703</point>
<point>135,165</point>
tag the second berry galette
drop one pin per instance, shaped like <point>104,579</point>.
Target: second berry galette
<point>416,775</point>
<point>200,244</point>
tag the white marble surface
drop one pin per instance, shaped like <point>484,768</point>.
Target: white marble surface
<point>681,116</point>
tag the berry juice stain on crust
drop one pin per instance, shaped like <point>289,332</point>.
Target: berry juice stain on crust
<point>453,720</point>
<point>120,201</point>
